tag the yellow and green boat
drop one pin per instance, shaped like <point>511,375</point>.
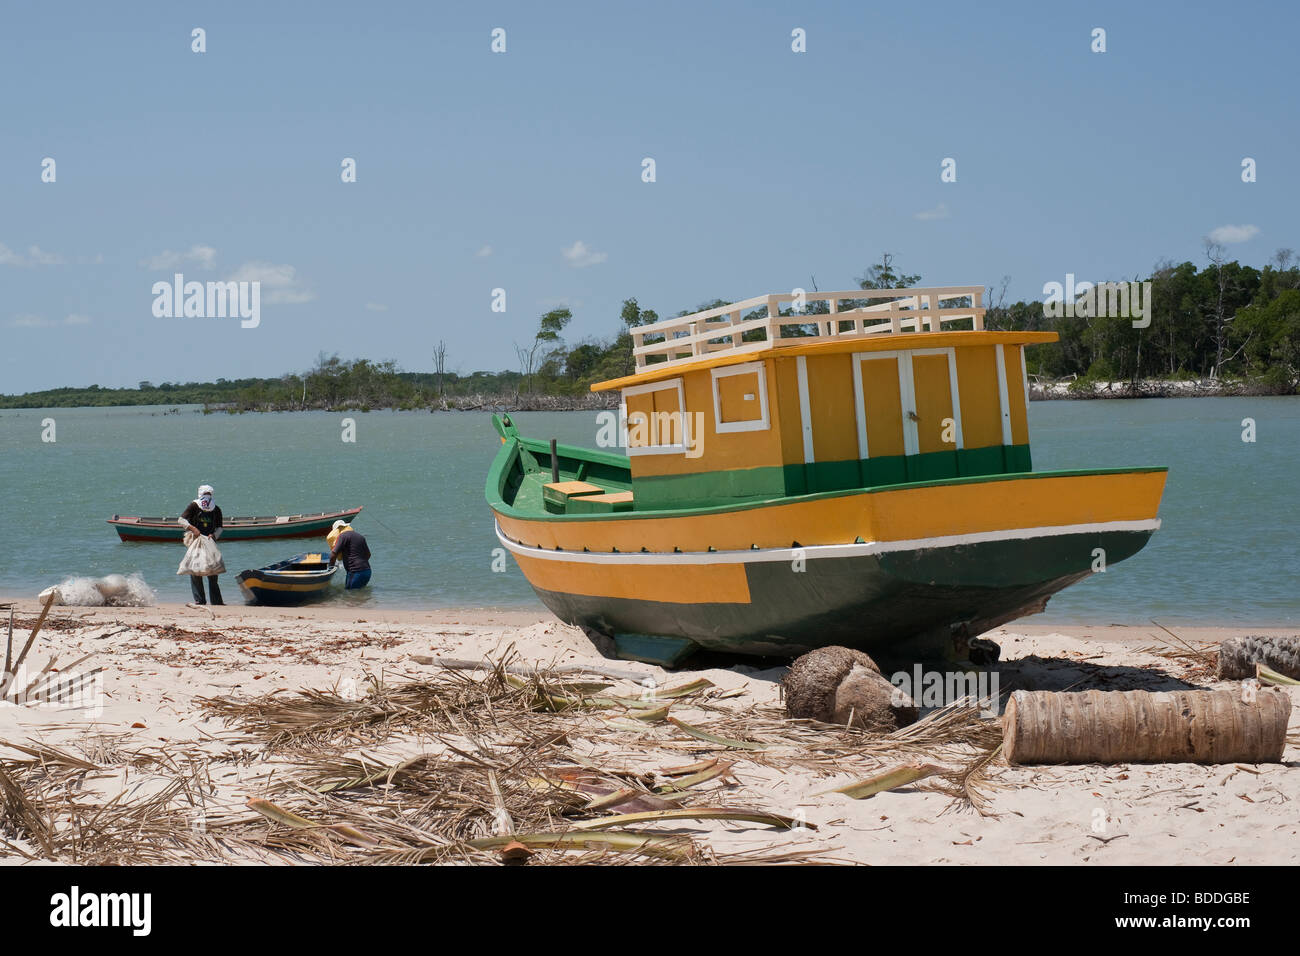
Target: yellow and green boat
<point>857,476</point>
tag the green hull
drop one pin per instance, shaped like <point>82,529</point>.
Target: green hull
<point>898,606</point>
<point>234,529</point>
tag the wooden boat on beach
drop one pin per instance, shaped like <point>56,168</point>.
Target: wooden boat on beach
<point>302,578</point>
<point>131,528</point>
<point>856,476</point>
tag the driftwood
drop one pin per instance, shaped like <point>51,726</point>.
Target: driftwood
<point>1222,726</point>
<point>502,402</point>
<point>1239,655</point>
<point>1155,388</point>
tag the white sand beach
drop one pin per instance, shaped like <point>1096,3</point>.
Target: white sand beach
<point>158,662</point>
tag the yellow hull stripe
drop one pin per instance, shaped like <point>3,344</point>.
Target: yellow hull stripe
<point>284,586</point>
<point>888,515</point>
<point>680,584</point>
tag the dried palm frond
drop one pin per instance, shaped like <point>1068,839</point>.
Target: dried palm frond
<point>21,817</point>
<point>486,765</point>
<point>967,785</point>
<point>450,701</point>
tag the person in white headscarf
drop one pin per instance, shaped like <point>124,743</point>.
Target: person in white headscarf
<point>203,516</point>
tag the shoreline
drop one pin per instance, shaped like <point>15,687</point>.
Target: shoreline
<point>1056,391</point>
<point>533,613</point>
<point>1155,388</point>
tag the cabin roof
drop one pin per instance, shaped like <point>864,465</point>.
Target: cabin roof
<point>905,319</point>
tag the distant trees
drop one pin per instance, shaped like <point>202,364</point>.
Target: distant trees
<point>882,275</point>
<point>1225,320</point>
<point>548,333</point>
<point>440,362</point>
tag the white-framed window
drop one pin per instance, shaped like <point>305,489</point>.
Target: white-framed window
<point>654,418</point>
<point>740,398</point>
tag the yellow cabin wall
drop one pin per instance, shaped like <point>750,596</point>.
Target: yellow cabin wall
<point>933,394</point>
<point>882,406</point>
<point>738,399</point>
<point>977,385</point>
<point>787,410</point>
<point>741,464</point>
<point>830,395</point>
<point>1016,395</point>
<point>718,451</point>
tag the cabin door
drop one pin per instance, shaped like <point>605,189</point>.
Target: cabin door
<point>908,415</point>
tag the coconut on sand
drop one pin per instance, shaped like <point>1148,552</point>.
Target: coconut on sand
<point>838,685</point>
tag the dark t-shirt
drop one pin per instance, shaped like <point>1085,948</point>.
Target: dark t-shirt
<point>205,521</point>
<point>352,549</point>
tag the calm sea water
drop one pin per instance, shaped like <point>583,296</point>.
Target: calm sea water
<point>1227,553</point>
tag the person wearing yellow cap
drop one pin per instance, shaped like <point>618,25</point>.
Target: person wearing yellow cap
<point>351,547</point>
<point>339,527</point>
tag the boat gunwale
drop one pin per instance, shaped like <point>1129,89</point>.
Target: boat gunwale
<point>241,521</point>
<point>502,463</point>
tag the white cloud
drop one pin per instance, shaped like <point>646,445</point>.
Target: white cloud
<point>280,283</point>
<point>28,321</point>
<point>484,252</point>
<point>376,307</point>
<point>36,256</point>
<point>205,257</point>
<point>580,255</point>
<point>1227,235</point>
<point>41,258</point>
<point>938,212</point>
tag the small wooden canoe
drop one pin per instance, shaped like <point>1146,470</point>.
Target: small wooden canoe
<point>302,578</point>
<point>131,528</point>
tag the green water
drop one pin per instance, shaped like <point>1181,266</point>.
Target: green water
<point>1227,553</point>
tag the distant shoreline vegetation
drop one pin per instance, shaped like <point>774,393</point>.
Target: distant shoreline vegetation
<point>1228,329</point>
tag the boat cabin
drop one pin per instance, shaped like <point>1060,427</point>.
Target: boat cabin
<point>858,389</point>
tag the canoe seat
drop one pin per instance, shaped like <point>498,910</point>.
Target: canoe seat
<point>596,504</point>
<point>556,495</point>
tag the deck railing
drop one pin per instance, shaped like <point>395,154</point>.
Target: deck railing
<point>722,329</point>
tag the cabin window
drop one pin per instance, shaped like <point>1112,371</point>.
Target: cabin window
<point>740,398</point>
<point>655,419</point>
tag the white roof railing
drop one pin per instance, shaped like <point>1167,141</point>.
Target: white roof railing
<point>721,329</point>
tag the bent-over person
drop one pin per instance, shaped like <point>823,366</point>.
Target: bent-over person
<point>351,547</point>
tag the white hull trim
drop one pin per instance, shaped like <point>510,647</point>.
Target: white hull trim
<point>813,552</point>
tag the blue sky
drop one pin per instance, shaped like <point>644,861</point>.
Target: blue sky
<point>478,170</point>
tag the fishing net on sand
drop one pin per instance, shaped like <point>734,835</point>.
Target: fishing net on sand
<point>112,590</point>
